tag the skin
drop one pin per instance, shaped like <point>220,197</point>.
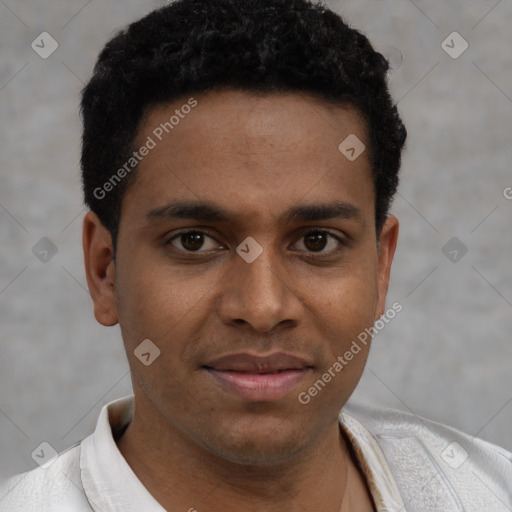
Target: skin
<point>191,443</point>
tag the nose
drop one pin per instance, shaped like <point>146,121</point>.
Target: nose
<point>260,294</point>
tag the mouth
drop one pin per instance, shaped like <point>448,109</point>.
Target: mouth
<point>258,379</point>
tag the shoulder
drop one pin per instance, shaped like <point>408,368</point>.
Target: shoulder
<point>431,461</point>
<point>56,488</point>
<point>396,424</point>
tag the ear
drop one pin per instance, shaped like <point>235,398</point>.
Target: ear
<point>387,245</point>
<point>100,269</point>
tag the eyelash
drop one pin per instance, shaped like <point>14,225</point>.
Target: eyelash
<point>342,243</point>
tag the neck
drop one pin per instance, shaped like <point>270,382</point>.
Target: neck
<point>181,475</point>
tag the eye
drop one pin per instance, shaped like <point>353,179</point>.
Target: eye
<point>317,240</point>
<point>191,240</point>
<point>314,241</point>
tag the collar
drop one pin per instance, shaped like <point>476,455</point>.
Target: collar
<point>373,464</point>
<point>110,484</point>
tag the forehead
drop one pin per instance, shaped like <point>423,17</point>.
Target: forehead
<point>257,153</point>
<point>265,120</point>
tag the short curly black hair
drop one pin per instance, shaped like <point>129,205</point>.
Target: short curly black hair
<point>263,46</point>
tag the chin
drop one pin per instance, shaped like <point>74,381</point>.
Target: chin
<point>257,446</point>
<point>259,455</point>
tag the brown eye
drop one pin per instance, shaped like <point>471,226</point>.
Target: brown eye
<point>316,241</point>
<point>190,241</point>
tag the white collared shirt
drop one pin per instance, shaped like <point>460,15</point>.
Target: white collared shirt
<point>400,455</point>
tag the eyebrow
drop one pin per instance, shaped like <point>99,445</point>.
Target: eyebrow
<point>207,211</point>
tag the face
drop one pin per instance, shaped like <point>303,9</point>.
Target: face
<point>247,254</point>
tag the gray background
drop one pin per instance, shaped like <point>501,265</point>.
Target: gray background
<point>446,356</point>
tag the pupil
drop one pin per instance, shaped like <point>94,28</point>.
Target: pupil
<point>194,238</point>
<point>317,242</point>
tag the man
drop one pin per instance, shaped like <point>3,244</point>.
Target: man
<point>239,160</point>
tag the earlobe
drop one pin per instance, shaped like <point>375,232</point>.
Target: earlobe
<point>100,269</point>
<point>387,245</point>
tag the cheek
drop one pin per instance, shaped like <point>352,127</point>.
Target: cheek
<point>150,302</point>
<point>345,311</point>
<point>154,306</point>
<point>344,320</point>
<point>164,304</point>
<point>352,298</point>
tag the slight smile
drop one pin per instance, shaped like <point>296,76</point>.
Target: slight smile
<point>259,378</point>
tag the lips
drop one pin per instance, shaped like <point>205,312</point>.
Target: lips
<point>249,363</point>
<point>258,378</point>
